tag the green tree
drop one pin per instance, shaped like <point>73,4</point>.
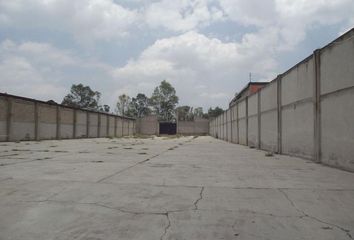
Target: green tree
<point>105,108</point>
<point>185,113</point>
<point>198,112</point>
<point>122,105</point>
<point>139,106</point>
<point>164,101</point>
<point>215,112</point>
<point>81,96</point>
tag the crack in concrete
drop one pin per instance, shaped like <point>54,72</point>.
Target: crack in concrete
<point>167,226</point>
<point>200,198</point>
<point>166,213</point>
<point>346,231</point>
<point>127,168</point>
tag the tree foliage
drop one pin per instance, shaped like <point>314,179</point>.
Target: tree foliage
<point>81,96</point>
<point>215,112</point>
<point>105,108</point>
<point>122,105</point>
<point>198,112</point>
<point>187,113</point>
<point>164,101</point>
<point>139,106</point>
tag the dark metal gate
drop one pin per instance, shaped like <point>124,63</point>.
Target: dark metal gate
<point>168,128</point>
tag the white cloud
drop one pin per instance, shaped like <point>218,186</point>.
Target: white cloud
<point>291,20</point>
<point>181,15</point>
<point>86,20</point>
<point>42,71</point>
<point>192,60</point>
<point>205,70</point>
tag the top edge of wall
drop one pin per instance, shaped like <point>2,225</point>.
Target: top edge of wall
<point>339,39</point>
<point>60,105</point>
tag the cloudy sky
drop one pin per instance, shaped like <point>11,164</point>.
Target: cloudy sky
<point>205,48</point>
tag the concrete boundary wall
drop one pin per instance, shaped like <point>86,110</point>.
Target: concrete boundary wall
<point>29,119</point>
<point>199,126</point>
<point>308,111</point>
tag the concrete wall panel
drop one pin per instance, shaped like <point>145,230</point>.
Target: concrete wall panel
<point>269,97</point>
<point>298,84</point>
<point>298,130</point>
<point>22,120</point>
<point>253,105</point>
<point>234,124</point>
<point>269,131</point>
<point>242,134</point>
<point>103,125</point>
<point>337,69</point>
<point>119,129</point>
<point>93,128</point>
<point>3,119</point>
<point>242,109</point>
<point>81,124</point>
<point>148,125</point>
<point>47,127</point>
<point>111,121</point>
<point>66,123</point>
<point>186,127</point>
<point>125,127</point>
<point>337,114</point>
<point>253,131</point>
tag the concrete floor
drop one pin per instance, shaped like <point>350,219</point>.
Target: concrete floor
<point>181,188</point>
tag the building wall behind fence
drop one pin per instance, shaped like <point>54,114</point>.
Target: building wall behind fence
<point>307,111</point>
<point>29,119</point>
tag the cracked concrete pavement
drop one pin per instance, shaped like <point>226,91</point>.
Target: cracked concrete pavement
<point>168,188</point>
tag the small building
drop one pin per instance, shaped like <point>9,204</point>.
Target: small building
<point>249,89</point>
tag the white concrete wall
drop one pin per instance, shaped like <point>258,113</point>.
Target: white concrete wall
<point>81,124</point>
<point>234,124</point>
<point>66,123</point>
<point>253,120</point>
<point>269,117</point>
<point>297,87</point>
<point>337,103</point>
<point>3,119</point>
<point>111,122</point>
<point>31,119</point>
<point>22,125</point>
<point>313,115</point>
<point>228,126</point>
<point>125,127</point>
<point>103,125</point>
<point>119,130</point>
<point>47,127</point>
<point>93,126</point>
<point>148,125</point>
<point>130,128</point>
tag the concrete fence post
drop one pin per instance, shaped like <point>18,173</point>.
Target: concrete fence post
<point>122,127</point>
<point>279,114</point>
<point>246,120</point>
<point>36,121</point>
<point>58,122</point>
<point>237,126</point>
<point>231,111</point>
<point>9,120</point>
<point>115,126</point>
<point>317,105</point>
<point>74,123</point>
<point>98,125</point>
<point>259,119</point>
<point>87,124</point>
<point>107,125</point>
<point>128,127</point>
